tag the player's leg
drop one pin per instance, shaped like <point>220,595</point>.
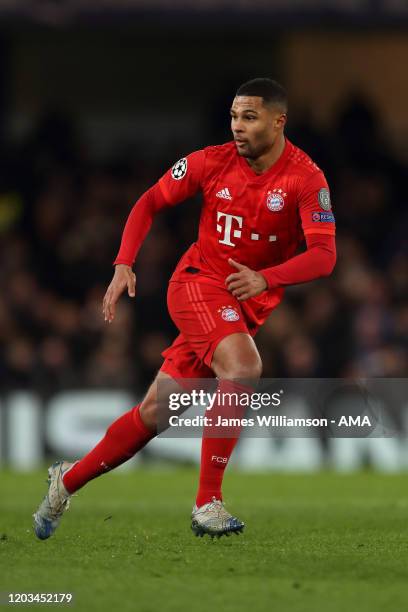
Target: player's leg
<point>216,333</point>
<point>122,440</point>
<point>237,365</point>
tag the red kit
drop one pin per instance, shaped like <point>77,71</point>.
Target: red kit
<point>257,220</point>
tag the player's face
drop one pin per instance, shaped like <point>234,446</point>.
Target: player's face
<point>254,125</point>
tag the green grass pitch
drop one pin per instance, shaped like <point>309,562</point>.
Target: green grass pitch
<point>320,542</point>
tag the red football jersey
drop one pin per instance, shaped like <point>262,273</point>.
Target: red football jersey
<point>257,220</point>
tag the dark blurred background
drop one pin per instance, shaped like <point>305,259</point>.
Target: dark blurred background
<point>98,99</point>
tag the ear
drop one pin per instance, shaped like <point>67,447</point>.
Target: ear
<point>280,120</point>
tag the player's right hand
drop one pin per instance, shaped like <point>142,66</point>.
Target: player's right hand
<point>123,278</point>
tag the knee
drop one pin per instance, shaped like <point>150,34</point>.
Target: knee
<point>249,368</point>
<point>148,413</point>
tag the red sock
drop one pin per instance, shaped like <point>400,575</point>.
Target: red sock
<point>216,451</point>
<point>127,435</point>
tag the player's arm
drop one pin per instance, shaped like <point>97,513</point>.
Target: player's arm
<point>317,261</point>
<point>319,230</point>
<point>179,183</point>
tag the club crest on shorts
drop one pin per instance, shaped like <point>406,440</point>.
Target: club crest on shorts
<point>324,199</point>
<point>179,169</point>
<point>275,200</point>
<point>229,313</point>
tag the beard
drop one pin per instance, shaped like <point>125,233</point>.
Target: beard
<point>251,151</point>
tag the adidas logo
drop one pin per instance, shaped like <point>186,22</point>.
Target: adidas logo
<point>224,194</point>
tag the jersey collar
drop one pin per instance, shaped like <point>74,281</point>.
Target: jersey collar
<point>274,169</point>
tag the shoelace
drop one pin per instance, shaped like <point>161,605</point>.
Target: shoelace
<point>217,504</point>
<point>64,505</point>
<point>60,506</point>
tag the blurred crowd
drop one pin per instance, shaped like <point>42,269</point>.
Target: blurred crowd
<point>61,218</point>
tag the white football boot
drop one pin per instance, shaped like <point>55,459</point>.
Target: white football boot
<point>54,504</point>
<point>213,518</point>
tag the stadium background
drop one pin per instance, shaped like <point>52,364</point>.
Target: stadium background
<point>95,104</point>
<point>97,99</point>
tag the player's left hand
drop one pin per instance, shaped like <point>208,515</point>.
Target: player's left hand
<point>244,283</point>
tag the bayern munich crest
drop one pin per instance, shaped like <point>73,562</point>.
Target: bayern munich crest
<point>179,169</point>
<point>229,313</point>
<point>275,200</point>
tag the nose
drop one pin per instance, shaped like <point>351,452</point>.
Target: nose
<point>237,127</point>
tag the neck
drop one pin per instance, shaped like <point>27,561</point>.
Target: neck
<point>262,163</point>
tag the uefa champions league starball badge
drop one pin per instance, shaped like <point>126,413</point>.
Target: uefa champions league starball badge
<point>179,169</point>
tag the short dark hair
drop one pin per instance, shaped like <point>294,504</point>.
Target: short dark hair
<point>271,91</point>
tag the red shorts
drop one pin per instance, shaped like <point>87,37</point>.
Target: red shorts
<point>204,315</point>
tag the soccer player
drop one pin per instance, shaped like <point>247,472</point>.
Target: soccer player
<point>262,196</point>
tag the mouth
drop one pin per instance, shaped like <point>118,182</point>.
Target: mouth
<point>240,141</point>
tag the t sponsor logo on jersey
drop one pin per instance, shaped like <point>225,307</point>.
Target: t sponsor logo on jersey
<point>224,194</point>
<point>323,217</point>
<point>275,200</point>
<point>179,169</point>
<point>324,199</point>
<point>228,230</point>
<point>229,313</point>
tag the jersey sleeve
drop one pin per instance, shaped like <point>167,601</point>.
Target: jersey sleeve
<point>315,207</point>
<point>138,224</point>
<point>184,179</point>
<point>319,260</point>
